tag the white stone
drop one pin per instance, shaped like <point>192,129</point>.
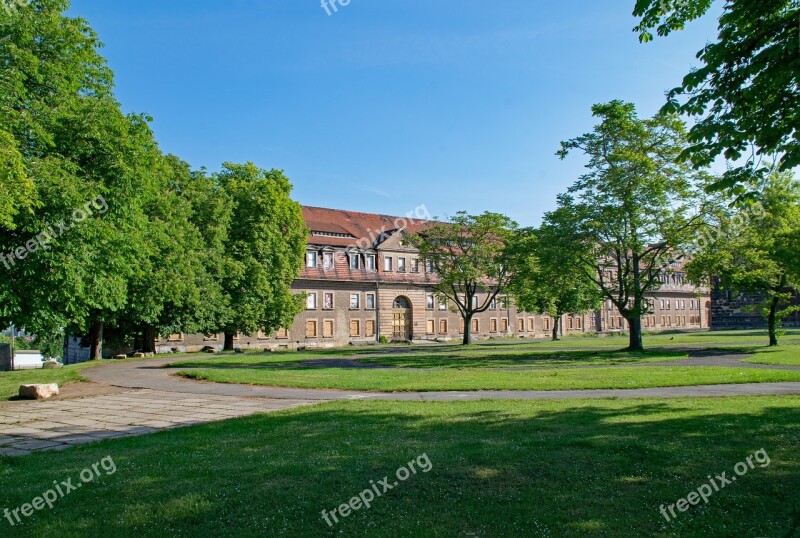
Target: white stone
<point>51,364</point>
<point>38,392</point>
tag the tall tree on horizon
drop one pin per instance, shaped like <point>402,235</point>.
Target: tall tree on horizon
<point>636,203</point>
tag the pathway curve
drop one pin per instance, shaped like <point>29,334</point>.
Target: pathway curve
<point>151,374</point>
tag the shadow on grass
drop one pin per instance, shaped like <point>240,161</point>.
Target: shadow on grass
<point>499,469</point>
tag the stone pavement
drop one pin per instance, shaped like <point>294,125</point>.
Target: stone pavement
<point>55,425</point>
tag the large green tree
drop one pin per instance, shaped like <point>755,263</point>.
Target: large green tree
<point>263,253</point>
<point>758,250</point>
<point>540,282</point>
<point>636,203</point>
<point>746,94</point>
<point>471,257</point>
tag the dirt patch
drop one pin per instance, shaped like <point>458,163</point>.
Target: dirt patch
<point>83,389</point>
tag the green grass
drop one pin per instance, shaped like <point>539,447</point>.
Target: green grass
<point>788,355</point>
<point>10,381</point>
<point>407,379</point>
<point>514,468</point>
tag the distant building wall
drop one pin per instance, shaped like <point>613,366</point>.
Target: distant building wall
<point>5,357</point>
<point>731,311</point>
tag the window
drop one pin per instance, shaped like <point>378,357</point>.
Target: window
<point>311,328</point>
<point>355,262</point>
<point>504,325</point>
<point>355,301</point>
<point>461,326</point>
<point>370,301</point>
<point>370,259</point>
<point>327,300</point>
<point>662,304</point>
<point>282,333</point>
<point>442,326</point>
<point>610,305</point>
<point>369,327</point>
<point>311,259</point>
<point>327,260</point>
<point>546,324</point>
<point>401,265</point>
<point>578,323</point>
<point>521,325</point>
<point>327,328</point>
<point>668,305</point>
<point>430,301</point>
<point>531,325</point>
<point>414,265</point>
<point>429,266</point>
<point>475,325</point>
<point>442,303</point>
<point>355,327</point>
<point>570,324</point>
<point>493,325</point>
<point>430,326</point>
<point>311,301</point>
<point>175,337</point>
<point>387,263</point>
<point>504,303</point>
<point>474,302</point>
<point>493,304</point>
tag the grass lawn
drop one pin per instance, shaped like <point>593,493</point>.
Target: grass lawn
<point>408,379</point>
<point>10,381</point>
<point>786,355</point>
<point>512,468</point>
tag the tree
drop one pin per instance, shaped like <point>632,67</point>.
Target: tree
<point>542,285</point>
<point>631,208</point>
<point>263,253</point>
<point>760,255</point>
<point>747,91</point>
<point>469,255</point>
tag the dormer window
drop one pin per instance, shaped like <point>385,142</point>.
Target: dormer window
<point>327,260</point>
<point>355,262</point>
<point>370,259</point>
<point>311,259</point>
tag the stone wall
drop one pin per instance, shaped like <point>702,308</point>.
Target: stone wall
<point>732,311</point>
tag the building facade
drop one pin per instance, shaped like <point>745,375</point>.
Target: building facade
<point>364,282</point>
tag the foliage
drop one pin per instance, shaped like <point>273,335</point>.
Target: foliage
<point>541,284</point>
<point>759,254</point>
<point>470,256</point>
<point>635,204</point>
<point>747,93</point>
<point>263,253</point>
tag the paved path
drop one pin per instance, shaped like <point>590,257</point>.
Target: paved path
<point>55,425</point>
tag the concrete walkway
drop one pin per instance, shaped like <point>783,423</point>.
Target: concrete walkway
<point>56,425</point>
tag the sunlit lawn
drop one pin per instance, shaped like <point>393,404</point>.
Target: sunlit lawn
<point>511,468</point>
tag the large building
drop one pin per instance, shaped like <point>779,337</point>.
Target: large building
<point>363,281</point>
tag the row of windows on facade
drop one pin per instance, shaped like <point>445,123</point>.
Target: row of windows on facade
<point>369,302</point>
<point>368,262</point>
<point>495,325</point>
<point>650,322</point>
<point>677,279</point>
<point>666,304</point>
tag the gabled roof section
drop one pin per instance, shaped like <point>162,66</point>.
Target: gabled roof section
<point>343,228</point>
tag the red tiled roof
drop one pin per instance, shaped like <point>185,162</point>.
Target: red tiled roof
<point>362,228</point>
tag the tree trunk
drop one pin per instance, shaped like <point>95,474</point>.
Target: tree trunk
<point>96,341</point>
<point>773,322</point>
<point>149,335</point>
<point>636,343</point>
<point>556,323</point>
<point>228,342</point>
<point>467,329</point>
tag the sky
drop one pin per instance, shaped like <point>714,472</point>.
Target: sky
<point>387,106</point>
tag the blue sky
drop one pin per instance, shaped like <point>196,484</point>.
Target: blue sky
<point>388,105</point>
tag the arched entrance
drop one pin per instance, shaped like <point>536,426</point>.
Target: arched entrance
<point>402,319</point>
